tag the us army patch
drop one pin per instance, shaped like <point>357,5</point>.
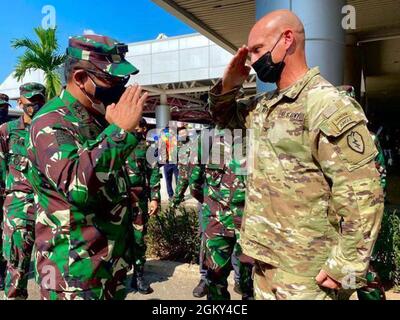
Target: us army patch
<point>356,142</point>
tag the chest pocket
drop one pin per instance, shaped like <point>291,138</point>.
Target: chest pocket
<point>285,128</point>
<point>17,155</point>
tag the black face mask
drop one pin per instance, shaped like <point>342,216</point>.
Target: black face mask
<point>268,71</point>
<point>35,108</point>
<point>3,115</point>
<point>110,95</point>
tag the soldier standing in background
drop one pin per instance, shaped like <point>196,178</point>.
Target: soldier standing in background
<point>19,217</point>
<point>4,106</point>
<point>78,146</point>
<point>187,148</point>
<point>144,187</point>
<point>224,183</point>
<point>311,152</point>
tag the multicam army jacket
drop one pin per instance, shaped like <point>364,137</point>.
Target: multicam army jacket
<point>14,162</point>
<point>310,153</point>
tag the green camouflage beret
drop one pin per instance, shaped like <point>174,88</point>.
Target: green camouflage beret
<point>4,99</point>
<point>105,53</point>
<point>29,90</point>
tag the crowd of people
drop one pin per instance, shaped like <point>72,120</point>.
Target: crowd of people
<point>297,216</point>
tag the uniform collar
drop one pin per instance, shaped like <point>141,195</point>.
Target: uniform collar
<point>21,123</point>
<point>67,97</point>
<point>80,111</point>
<point>294,90</point>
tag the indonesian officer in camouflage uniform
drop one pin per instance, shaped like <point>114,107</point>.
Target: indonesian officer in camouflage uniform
<point>144,180</point>
<point>19,220</point>
<point>310,154</point>
<point>78,146</point>
<point>4,106</point>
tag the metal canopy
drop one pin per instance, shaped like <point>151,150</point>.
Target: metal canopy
<point>228,22</point>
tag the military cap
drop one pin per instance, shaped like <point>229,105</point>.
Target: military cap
<point>4,99</point>
<point>31,89</point>
<point>105,53</point>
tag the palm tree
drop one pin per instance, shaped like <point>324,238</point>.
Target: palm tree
<point>41,55</point>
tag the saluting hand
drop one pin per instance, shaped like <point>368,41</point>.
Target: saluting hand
<point>237,71</point>
<point>127,113</point>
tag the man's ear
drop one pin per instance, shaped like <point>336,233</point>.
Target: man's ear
<point>290,41</point>
<point>79,77</point>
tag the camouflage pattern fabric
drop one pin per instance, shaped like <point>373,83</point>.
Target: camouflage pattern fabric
<point>107,54</point>
<point>310,153</point>
<point>273,283</point>
<point>83,225</point>
<point>3,102</point>
<point>18,231</point>
<point>224,194</point>
<point>3,262</point>
<point>31,89</point>
<point>188,156</point>
<point>145,186</point>
<point>380,162</point>
<point>374,289</point>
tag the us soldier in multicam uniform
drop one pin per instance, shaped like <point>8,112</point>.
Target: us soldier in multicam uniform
<point>19,220</point>
<point>145,186</point>
<point>78,146</point>
<point>310,153</point>
<point>4,106</point>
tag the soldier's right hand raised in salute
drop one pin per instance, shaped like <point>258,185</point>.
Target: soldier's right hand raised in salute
<point>127,113</point>
<point>237,71</point>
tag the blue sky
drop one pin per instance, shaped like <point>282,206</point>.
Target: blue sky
<point>130,21</point>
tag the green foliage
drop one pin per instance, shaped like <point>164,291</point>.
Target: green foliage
<point>387,249</point>
<point>173,235</point>
<point>41,55</point>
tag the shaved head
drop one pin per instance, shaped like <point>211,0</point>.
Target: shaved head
<point>282,33</point>
<point>274,24</point>
<point>278,21</point>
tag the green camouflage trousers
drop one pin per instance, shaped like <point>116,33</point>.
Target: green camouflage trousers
<point>18,241</point>
<point>218,253</point>
<point>140,219</point>
<point>2,260</point>
<point>112,290</point>
<point>271,283</point>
